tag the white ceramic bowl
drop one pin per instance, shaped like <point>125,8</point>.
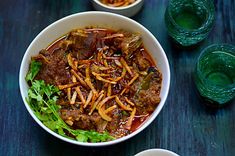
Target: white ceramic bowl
<point>128,11</point>
<point>103,19</point>
<point>156,152</point>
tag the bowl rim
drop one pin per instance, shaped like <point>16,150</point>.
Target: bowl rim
<point>143,126</point>
<point>156,150</point>
<point>117,8</point>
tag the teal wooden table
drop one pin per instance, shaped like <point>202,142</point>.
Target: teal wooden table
<point>184,125</point>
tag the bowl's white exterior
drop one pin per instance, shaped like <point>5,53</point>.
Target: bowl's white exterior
<point>156,152</point>
<point>128,11</point>
<point>80,20</point>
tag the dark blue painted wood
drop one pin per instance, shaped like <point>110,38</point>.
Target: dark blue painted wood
<point>184,125</point>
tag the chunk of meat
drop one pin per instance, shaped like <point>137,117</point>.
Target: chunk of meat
<point>80,120</point>
<point>131,44</point>
<point>149,98</point>
<point>53,70</point>
<point>115,128</point>
<point>141,61</point>
<point>147,93</point>
<point>83,44</point>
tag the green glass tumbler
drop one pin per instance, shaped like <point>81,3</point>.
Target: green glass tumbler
<point>215,74</point>
<point>189,21</point>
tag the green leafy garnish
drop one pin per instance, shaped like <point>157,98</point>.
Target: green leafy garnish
<point>146,82</point>
<point>42,99</point>
<point>33,70</point>
<point>124,113</point>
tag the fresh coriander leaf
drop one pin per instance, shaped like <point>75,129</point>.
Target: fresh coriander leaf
<point>42,117</point>
<point>124,113</point>
<point>61,131</point>
<point>81,138</point>
<point>42,99</point>
<point>33,70</point>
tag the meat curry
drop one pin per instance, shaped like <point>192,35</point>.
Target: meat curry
<point>107,80</point>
